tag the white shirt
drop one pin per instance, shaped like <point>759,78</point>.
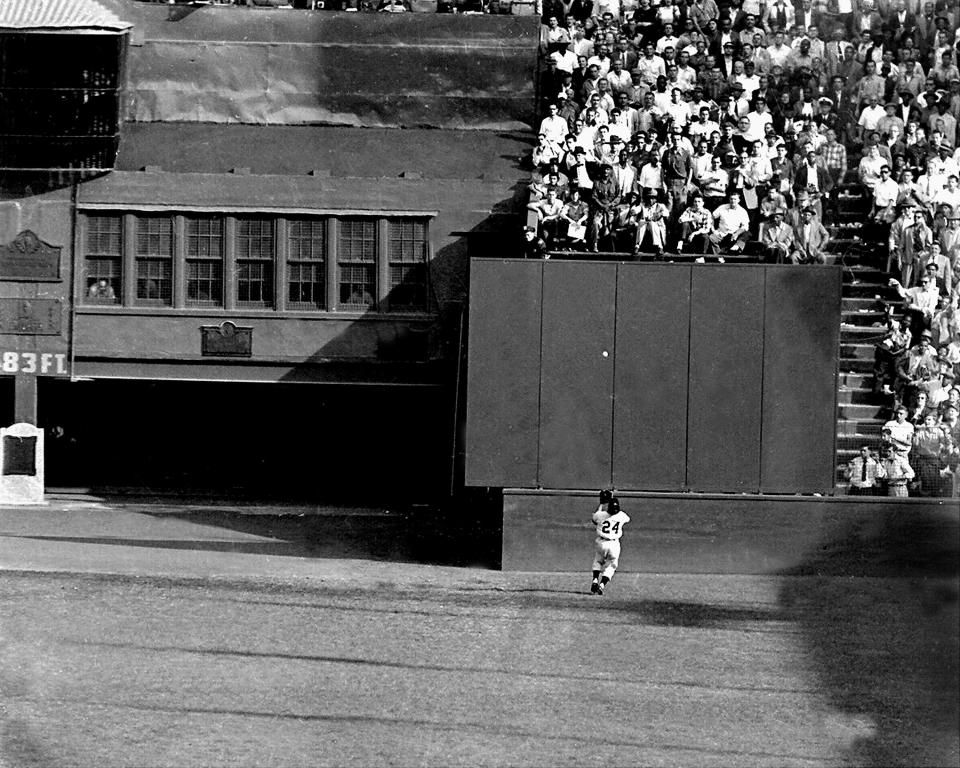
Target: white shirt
<point>870,117</point>
<point>731,220</point>
<point>609,527</point>
<point>886,193</point>
<point>555,127</point>
<point>757,122</point>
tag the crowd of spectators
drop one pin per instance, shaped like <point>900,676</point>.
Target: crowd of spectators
<point>705,129</point>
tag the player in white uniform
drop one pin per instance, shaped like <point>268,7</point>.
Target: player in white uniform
<point>609,520</point>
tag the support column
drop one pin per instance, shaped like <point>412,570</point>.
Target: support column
<point>25,399</point>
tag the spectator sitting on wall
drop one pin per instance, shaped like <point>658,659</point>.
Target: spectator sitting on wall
<point>811,239</point>
<point>731,226</point>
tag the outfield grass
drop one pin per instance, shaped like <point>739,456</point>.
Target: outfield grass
<point>408,665</point>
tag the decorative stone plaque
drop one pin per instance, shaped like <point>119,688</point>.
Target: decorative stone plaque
<point>36,317</point>
<point>27,257</point>
<point>21,464</point>
<point>226,340</point>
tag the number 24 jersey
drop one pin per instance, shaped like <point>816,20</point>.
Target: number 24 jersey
<point>609,526</point>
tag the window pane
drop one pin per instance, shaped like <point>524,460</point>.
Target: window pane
<point>154,281</point>
<point>104,235</point>
<point>407,240</point>
<point>102,280</point>
<point>357,241</point>
<point>255,238</point>
<point>204,238</point>
<point>308,239</point>
<point>409,289</point>
<point>205,282</point>
<point>306,285</point>
<point>154,236</point>
<point>356,285</point>
<point>407,253</point>
<point>103,259</point>
<point>255,282</point>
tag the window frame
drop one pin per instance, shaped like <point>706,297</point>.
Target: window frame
<point>377,256</point>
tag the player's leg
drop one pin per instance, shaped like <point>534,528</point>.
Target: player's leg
<point>610,564</point>
<point>598,556</point>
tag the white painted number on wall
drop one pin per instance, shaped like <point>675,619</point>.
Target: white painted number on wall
<point>31,362</point>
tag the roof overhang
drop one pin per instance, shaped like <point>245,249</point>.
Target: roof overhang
<point>59,16</point>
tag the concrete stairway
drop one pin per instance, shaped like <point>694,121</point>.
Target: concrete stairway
<point>860,411</point>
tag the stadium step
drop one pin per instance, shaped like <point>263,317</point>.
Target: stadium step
<point>866,428</point>
<point>862,411</point>
<point>858,396</point>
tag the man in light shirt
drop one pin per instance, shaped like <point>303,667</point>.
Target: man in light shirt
<point>870,117</point>
<point>731,226</point>
<point>704,126</point>
<point>759,118</point>
<point>885,194</point>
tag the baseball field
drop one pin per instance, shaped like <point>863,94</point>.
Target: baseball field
<point>361,663</point>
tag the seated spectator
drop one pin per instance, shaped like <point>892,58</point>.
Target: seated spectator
<point>650,217</point>
<point>915,364</point>
<point>549,211</point>
<point>731,226</point>
<point>696,225</point>
<point>811,239</point>
<point>575,214</point>
<point>778,240</point>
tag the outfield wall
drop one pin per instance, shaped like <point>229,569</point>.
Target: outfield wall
<point>724,534</point>
<point>645,376</point>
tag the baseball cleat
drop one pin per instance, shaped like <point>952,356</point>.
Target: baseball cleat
<point>595,588</point>
<point>599,589</point>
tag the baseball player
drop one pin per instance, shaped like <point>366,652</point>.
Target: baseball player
<point>609,520</point>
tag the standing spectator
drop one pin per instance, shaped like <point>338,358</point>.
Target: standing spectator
<point>864,474</point>
<point>887,354</point>
<point>603,203</point>
<point>898,473</point>
<point>575,214</point>
<point>920,304</point>
<point>929,445</point>
<point>898,432</point>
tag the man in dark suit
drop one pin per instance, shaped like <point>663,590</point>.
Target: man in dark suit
<point>813,177</point>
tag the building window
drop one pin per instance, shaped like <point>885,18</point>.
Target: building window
<point>407,257</point>
<point>103,259</point>
<point>154,260</point>
<point>357,262</point>
<point>255,260</point>
<point>364,263</point>
<point>204,261</point>
<point>306,263</point>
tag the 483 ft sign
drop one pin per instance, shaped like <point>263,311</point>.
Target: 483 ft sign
<point>42,363</point>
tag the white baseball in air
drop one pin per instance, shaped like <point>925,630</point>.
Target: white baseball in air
<point>605,353</point>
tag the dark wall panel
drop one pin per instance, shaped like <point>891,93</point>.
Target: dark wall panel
<point>801,330</point>
<point>650,404</point>
<point>576,411</point>
<point>503,385</point>
<point>726,368</point>
<point>686,533</point>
